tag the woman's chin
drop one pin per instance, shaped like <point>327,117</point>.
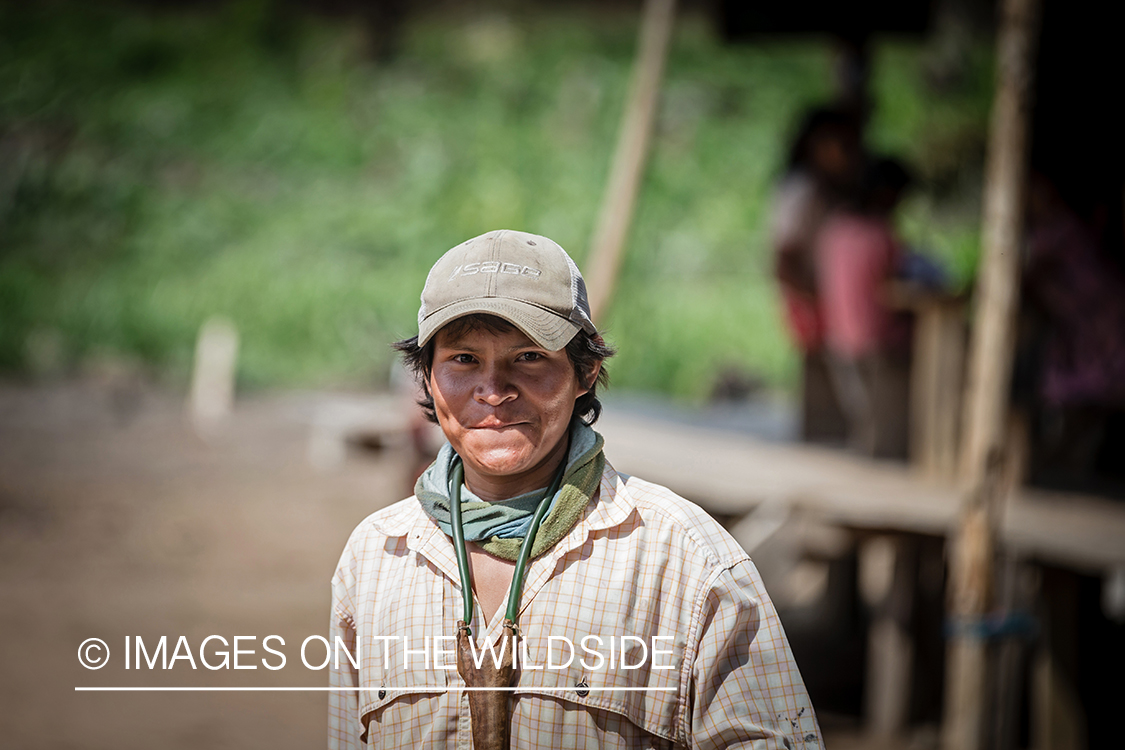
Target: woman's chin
<point>502,463</point>
<point>498,458</point>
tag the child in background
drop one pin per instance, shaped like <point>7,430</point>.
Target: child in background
<point>857,253</point>
<point>824,165</point>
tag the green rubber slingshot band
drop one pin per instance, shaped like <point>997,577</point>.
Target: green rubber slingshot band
<point>457,476</point>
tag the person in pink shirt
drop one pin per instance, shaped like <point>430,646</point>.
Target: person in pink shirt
<point>857,253</point>
<point>823,166</point>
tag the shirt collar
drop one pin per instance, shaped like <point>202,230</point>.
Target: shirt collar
<point>611,507</point>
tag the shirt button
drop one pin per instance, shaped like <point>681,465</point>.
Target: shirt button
<point>582,689</point>
<point>382,694</point>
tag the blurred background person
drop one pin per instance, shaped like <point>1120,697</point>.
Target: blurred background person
<point>1077,296</point>
<point>824,163</point>
<point>857,254</point>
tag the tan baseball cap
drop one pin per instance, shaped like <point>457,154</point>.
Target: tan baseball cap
<point>523,278</point>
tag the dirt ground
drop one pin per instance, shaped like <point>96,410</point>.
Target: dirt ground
<point>118,521</point>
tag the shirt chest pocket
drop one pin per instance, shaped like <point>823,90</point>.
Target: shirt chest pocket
<point>405,642</point>
<point>633,675</point>
<point>612,636</point>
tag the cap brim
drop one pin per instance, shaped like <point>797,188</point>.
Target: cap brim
<point>545,328</point>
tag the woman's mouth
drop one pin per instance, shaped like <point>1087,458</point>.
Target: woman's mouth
<point>495,424</point>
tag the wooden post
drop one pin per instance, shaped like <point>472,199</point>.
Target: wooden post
<point>212,380</point>
<point>608,242</point>
<point>890,642</point>
<point>990,369</point>
<point>1057,720</point>
<point>936,377</point>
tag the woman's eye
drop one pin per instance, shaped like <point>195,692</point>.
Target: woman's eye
<point>465,359</point>
<point>530,356</point>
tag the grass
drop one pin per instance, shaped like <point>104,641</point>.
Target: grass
<point>250,162</point>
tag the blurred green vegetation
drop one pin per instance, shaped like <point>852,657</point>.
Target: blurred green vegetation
<point>160,168</point>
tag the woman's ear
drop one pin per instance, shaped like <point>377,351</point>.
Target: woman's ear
<point>597,368</point>
<point>591,378</point>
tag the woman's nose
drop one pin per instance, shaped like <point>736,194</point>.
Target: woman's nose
<point>495,387</point>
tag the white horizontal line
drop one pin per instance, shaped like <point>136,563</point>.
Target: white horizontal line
<point>414,689</point>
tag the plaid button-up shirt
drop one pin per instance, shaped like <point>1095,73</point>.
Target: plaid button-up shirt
<point>683,620</point>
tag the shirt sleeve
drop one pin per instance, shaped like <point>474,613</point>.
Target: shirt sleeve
<point>746,689</point>
<point>793,217</point>
<point>344,729</point>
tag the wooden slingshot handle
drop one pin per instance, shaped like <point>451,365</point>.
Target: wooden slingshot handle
<point>488,709</point>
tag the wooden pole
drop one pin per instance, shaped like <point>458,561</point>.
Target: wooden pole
<point>213,376</point>
<point>989,376</point>
<point>890,643</point>
<point>608,242</point>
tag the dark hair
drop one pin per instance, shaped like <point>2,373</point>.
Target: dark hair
<point>818,122</point>
<point>883,182</point>
<point>584,352</point>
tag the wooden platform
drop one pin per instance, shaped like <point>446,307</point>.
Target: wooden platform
<point>731,474</point>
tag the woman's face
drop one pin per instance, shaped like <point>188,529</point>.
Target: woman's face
<point>505,404</point>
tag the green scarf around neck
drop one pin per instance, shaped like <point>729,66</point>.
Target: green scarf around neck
<point>500,527</point>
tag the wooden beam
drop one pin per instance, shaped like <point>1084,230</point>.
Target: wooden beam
<point>989,376</point>
<point>741,472</point>
<point>608,244</point>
